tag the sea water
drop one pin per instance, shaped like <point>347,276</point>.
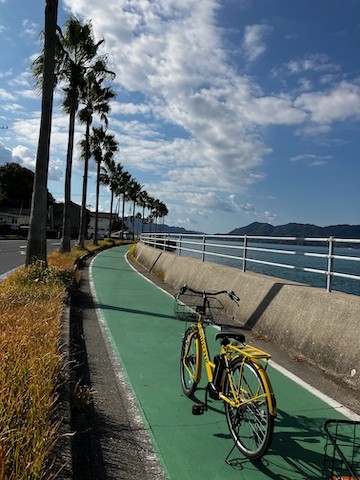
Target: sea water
<point>295,262</point>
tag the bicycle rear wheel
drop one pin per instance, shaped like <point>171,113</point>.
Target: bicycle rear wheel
<point>190,361</point>
<point>251,425</point>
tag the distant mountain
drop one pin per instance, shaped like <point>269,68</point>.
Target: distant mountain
<point>178,230</point>
<point>299,230</point>
<point>146,227</point>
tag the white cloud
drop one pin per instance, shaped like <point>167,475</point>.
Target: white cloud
<point>311,63</point>
<point>30,28</point>
<point>251,210</point>
<point>5,95</point>
<point>24,156</point>
<point>174,74</point>
<point>312,159</point>
<point>253,42</point>
<point>5,154</point>
<point>340,103</point>
<point>130,108</point>
<point>172,53</point>
<point>23,79</point>
<point>274,110</point>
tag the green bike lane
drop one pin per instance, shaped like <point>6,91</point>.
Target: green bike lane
<point>147,339</point>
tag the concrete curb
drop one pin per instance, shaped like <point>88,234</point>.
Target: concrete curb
<point>63,448</point>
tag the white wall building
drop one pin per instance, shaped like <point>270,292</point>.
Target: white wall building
<point>103,224</point>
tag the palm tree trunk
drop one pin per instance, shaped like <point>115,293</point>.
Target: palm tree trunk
<point>133,221</point>
<point>142,219</point>
<point>81,241</point>
<point>65,241</point>
<point>36,245</point>
<point>123,217</point>
<point>111,210</point>
<point>97,204</point>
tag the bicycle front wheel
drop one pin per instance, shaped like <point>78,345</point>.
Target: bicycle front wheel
<point>190,361</point>
<point>251,425</point>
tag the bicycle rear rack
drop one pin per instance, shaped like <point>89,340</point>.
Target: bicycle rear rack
<point>342,450</point>
<point>250,351</point>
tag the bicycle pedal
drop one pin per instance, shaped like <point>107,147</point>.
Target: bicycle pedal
<point>198,409</point>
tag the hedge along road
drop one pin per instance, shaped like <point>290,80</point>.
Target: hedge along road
<point>147,339</point>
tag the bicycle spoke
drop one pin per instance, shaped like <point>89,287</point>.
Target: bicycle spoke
<point>189,362</point>
<point>250,424</point>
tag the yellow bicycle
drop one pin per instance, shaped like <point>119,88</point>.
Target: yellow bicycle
<point>237,375</point>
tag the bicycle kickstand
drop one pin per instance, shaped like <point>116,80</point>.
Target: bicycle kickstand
<point>230,462</point>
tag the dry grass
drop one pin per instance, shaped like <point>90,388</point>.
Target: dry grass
<point>31,305</point>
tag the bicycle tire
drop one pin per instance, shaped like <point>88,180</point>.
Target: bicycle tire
<point>190,361</point>
<point>251,425</point>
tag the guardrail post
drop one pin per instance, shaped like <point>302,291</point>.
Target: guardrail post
<point>331,242</point>
<point>179,253</point>
<point>203,248</point>
<point>244,253</point>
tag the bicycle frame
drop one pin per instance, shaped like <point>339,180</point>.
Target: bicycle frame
<point>230,352</point>
<point>237,375</point>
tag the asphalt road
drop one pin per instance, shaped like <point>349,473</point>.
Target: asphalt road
<point>12,253</point>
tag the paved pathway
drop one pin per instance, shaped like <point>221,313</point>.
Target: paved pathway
<point>146,337</point>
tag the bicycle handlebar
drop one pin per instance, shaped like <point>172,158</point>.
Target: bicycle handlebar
<point>231,294</point>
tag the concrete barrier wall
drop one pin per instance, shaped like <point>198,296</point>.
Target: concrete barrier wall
<point>323,327</point>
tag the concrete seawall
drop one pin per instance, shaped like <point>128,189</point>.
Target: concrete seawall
<point>323,327</point>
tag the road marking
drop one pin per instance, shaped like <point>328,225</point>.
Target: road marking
<point>314,391</point>
<point>5,274</point>
<point>322,396</point>
<point>133,407</point>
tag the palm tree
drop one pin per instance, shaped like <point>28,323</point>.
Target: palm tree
<point>122,190</point>
<point>44,70</point>
<point>102,146</point>
<point>96,101</point>
<point>143,201</point>
<point>77,57</point>
<point>159,210</point>
<point>134,191</point>
<point>111,175</point>
<point>163,212</point>
<point>151,205</point>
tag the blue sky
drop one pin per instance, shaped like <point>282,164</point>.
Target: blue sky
<point>228,111</point>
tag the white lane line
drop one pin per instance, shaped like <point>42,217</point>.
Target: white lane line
<point>133,406</point>
<point>5,274</point>
<point>314,391</point>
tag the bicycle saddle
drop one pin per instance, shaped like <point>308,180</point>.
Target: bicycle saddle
<point>239,337</point>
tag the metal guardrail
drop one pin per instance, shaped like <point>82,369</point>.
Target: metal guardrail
<point>242,249</point>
